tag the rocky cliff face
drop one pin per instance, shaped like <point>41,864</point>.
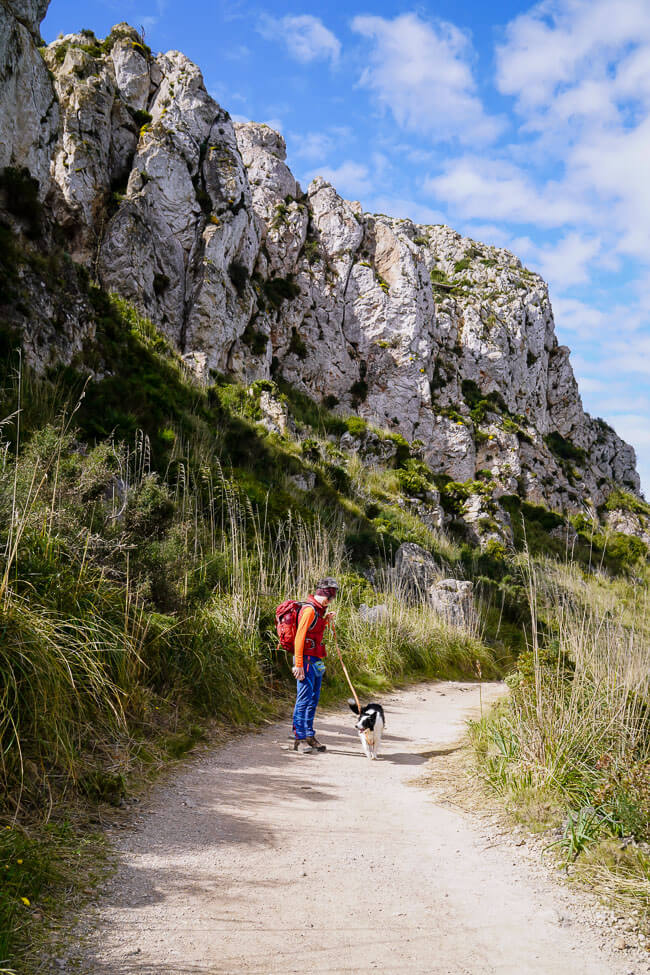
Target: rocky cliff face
<point>201,224</point>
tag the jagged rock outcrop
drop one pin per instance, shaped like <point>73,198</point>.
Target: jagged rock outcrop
<point>201,224</point>
<point>29,110</point>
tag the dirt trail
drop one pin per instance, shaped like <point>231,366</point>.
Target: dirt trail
<point>257,860</point>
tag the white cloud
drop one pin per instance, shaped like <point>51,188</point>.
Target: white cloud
<point>487,233</point>
<point>567,262</point>
<point>484,189</point>
<point>395,206</point>
<point>350,179</point>
<point>306,37</point>
<point>578,317</point>
<point>421,72</point>
<point>317,146</point>
<point>559,42</point>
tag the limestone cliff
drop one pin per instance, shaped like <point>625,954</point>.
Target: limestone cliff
<point>199,222</point>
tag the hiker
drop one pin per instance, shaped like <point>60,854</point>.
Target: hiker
<point>308,665</point>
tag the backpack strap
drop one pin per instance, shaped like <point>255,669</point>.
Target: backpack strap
<point>318,612</point>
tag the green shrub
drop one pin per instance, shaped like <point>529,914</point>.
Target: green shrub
<point>238,274</point>
<point>277,290</point>
<point>564,449</point>
<point>256,341</point>
<point>625,501</point>
<point>356,426</point>
<point>359,391</point>
<point>297,344</point>
<point>20,191</point>
<point>311,251</point>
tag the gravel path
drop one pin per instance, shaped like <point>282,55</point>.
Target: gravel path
<point>254,859</point>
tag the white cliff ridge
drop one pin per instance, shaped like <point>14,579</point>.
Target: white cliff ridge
<point>200,223</point>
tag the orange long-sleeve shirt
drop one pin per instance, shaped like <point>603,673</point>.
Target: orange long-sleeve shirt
<point>306,618</point>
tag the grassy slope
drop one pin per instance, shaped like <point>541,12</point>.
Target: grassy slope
<point>569,752</point>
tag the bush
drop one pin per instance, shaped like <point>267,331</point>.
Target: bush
<point>564,449</point>
<point>21,198</point>
<point>239,276</point>
<point>277,290</point>
<point>297,345</point>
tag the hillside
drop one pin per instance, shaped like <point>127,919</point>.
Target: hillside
<point>216,386</point>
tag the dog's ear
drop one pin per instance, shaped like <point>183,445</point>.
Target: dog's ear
<point>353,705</point>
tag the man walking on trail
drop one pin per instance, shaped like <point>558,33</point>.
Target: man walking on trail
<point>308,666</point>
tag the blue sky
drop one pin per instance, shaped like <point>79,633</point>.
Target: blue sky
<point>523,125</point>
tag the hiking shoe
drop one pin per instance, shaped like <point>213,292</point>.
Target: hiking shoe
<point>303,745</point>
<point>315,744</point>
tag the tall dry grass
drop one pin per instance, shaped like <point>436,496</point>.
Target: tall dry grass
<point>571,747</point>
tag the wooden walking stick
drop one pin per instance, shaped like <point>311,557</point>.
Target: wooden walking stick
<point>345,669</point>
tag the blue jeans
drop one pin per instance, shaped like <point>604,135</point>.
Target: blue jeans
<point>307,696</point>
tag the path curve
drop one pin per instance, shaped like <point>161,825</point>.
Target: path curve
<point>254,859</point>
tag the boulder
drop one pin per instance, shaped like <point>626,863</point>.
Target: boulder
<point>373,614</point>
<point>415,569</point>
<point>453,600</point>
<point>275,416</point>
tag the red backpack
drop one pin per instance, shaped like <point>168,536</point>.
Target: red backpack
<point>286,623</point>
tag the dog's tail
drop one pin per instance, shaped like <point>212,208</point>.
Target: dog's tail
<point>353,705</point>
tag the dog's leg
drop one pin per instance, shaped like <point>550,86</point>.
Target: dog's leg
<point>378,731</point>
<point>364,744</point>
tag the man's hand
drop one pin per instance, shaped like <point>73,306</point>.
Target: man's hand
<point>298,673</point>
<point>329,616</point>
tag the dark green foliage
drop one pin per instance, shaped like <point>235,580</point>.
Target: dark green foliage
<point>402,448</point>
<point>462,265</point>
<point>532,524</point>
<point>160,283</point>
<point>311,449</point>
<point>255,340</point>
<point>150,509</point>
<point>20,193</point>
<point>311,251</point>
<point>297,344</point>
<point>564,449</point>
<point>480,403</point>
<point>239,276</point>
<point>338,478</point>
<point>308,413</point>
<point>621,553</point>
<point>359,391</point>
<point>277,290</point>
<point>439,280</point>
<point>101,786</point>
<point>415,478</point>
<point>203,198</point>
<point>139,116</point>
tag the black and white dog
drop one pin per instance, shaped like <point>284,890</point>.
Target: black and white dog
<point>370,726</point>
